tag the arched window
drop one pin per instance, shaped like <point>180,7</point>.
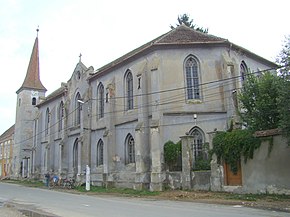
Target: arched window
<point>33,101</point>
<point>100,153</point>
<point>101,100</point>
<point>47,120</point>
<point>192,78</point>
<point>199,151</point>
<point>60,116</point>
<point>78,109</point>
<point>75,155</point>
<point>243,71</point>
<point>197,143</point>
<point>129,90</point>
<point>129,149</point>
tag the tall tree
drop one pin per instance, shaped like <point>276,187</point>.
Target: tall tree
<point>184,19</point>
<point>284,91</point>
<point>259,101</point>
<point>283,58</point>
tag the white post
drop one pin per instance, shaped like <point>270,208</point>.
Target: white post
<point>88,177</point>
<point>59,159</point>
<point>28,168</point>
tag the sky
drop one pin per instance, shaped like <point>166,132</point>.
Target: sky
<point>103,30</point>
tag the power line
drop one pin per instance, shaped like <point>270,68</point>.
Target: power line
<point>152,103</point>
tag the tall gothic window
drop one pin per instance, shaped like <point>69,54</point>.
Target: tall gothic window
<point>199,151</point>
<point>78,109</point>
<point>75,155</point>
<point>192,78</point>
<point>243,71</point>
<point>60,116</point>
<point>47,120</point>
<point>100,153</point>
<point>129,149</point>
<point>101,100</point>
<point>197,143</point>
<point>129,90</point>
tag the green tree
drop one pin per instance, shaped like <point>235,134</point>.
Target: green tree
<point>283,59</point>
<point>284,92</point>
<point>184,19</point>
<point>259,101</point>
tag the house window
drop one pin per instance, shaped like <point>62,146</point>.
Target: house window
<point>192,78</point>
<point>60,116</point>
<point>130,149</point>
<point>47,120</point>
<point>243,71</point>
<point>129,90</point>
<point>33,101</point>
<point>100,153</point>
<point>101,100</point>
<point>78,109</point>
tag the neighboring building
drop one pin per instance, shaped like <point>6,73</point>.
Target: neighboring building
<point>6,145</point>
<point>117,119</point>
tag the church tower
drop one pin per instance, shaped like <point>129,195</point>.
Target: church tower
<point>28,96</point>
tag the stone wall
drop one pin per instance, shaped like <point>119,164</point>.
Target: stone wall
<point>267,172</point>
<point>200,180</point>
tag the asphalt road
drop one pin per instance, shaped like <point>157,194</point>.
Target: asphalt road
<point>73,205</point>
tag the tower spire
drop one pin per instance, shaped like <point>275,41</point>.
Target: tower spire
<point>32,79</point>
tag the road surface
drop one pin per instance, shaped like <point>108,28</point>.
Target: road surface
<point>74,205</point>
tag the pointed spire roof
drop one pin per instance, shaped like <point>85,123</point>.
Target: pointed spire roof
<point>32,79</point>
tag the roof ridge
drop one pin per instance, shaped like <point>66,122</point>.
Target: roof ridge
<point>9,131</point>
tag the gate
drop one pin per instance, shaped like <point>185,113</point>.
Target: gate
<point>231,178</point>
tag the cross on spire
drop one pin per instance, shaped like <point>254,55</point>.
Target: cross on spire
<point>37,30</point>
<point>80,56</point>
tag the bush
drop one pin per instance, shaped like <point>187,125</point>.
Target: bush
<point>172,155</point>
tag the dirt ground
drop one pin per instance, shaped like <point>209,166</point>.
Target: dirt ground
<point>271,202</point>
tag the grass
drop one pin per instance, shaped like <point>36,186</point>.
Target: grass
<point>256,197</point>
<point>122,191</point>
<point>93,189</point>
<point>29,183</point>
<point>144,193</point>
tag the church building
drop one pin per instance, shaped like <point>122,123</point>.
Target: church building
<point>116,119</point>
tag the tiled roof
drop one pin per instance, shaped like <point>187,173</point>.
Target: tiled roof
<point>32,79</point>
<point>7,133</point>
<point>184,34</point>
<point>178,36</point>
<point>58,92</point>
